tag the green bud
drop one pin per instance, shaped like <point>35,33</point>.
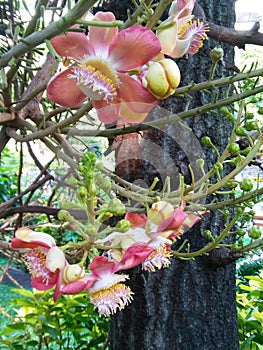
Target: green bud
<point>260,110</point>
<point>219,166</point>
<point>90,230</point>
<point>200,163</point>
<point>124,225</point>
<point>81,169</point>
<point>64,215</point>
<point>216,54</point>
<point>240,131</point>
<point>233,148</point>
<point>246,151</point>
<point>232,184</point>
<point>253,99</point>
<point>208,234</point>
<point>252,125</point>
<point>206,141</point>
<point>116,207</point>
<point>241,232</point>
<point>230,116</point>
<point>246,185</point>
<point>99,165</point>
<point>105,185</point>
<point>73,181</point>
<point>246,216</point>
<point>255,232</point>
<point>250,115</point>
<point>226,213</point>
<point>81,193</point>
<point>239,210</point>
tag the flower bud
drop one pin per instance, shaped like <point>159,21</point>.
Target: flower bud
<point>216,54</point>
<point>162,78</point>
<point>160,211</point>
<point>73,273</point>
<point>124,225</point>
<point>64,215</point>
<point>116,207</point>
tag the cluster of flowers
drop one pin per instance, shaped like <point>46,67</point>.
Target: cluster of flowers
<point>125,73</point>
<point>147,242</point>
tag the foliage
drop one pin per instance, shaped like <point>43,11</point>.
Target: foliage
<point>40,323</point>
<point>248,268</point>
<point>8,176</point>
<point>250,313</point>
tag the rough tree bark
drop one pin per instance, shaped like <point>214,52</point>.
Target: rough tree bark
<point>191,304</point>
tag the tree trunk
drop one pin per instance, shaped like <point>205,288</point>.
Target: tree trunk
<point>191,304</point>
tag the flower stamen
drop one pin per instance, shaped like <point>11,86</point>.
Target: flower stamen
<point>109,300</point>
<point>159,258</point>
<point>36,263</point>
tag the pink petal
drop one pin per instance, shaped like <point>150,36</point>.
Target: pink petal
<point>136,220</point>
<point>138,101</point>
<point>191,220</point>
<point>17,243</point>
<point>133,47</point>
<point>39,284</point>
<point>74,287</point>
<point>73,45</point>
<point>101,37</point>
<point>134,255</point>
<point>57,293</point>
<point>128,115</point>
<point>131,90</point>
<point>173,222</point>
<point>36,238</point>
<point>101,265</point>
<point>63,90</point>
<point>107,112</point>
<point>185,7</point>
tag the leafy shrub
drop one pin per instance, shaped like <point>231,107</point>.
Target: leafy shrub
<point>41,323</point>
<point>250,313</point>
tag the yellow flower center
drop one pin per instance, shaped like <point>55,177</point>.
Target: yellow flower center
<point>96,79</point>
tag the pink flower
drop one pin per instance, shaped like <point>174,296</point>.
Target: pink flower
<point>45,260</point>
<point>106,290</point>
<point>158,231</point>
<point>182,36</point>
<point>104,63</point>
<point>157,242</point>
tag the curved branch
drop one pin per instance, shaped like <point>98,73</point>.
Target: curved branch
<point>78,214</point>
<point>236,37</point>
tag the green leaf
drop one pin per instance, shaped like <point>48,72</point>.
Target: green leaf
<point>24,292</point>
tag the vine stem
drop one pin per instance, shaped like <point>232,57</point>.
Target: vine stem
<point>210,246</point>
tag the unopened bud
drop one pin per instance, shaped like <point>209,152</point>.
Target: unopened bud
<point>160,211</point>
<point>116,207</point>
<point>73,273</point>
<point>64,215</point>
<point>162,78</point>
<point>216,54</point>
<point>124,225</point>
